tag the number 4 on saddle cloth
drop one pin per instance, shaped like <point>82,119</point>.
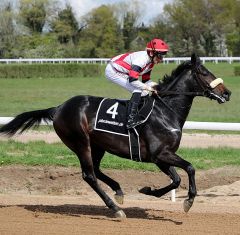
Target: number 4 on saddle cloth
<point>112,118</point>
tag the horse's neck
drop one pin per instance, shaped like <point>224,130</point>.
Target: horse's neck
<point>178,107</point>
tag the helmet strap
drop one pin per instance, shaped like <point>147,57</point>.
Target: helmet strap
<point>151,55</point>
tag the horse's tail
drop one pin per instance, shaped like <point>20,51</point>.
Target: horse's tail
<point>26,120</point>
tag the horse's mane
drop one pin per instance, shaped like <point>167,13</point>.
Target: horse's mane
<point>167,79</point>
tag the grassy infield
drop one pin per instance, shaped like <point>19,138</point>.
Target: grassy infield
<point>19,95</point>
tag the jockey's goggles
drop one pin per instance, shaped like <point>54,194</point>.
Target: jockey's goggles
<point>160,55</point>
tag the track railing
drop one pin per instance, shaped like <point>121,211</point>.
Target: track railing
<point>191,125</point>
<point>167,60</point>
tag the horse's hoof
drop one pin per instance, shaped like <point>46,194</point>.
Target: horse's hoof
<point>145,190</point>
<point>120,214</point>
<point>187,204</point>
<point>119,198</point>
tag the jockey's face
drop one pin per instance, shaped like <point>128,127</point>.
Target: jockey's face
<point>156,57</point>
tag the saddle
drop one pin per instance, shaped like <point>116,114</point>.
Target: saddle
<point>112,118</point>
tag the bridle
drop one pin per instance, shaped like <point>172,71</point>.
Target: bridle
<point>205,86</point>
<point>206,89</point>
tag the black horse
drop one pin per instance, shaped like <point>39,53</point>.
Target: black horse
<point>160,136</point>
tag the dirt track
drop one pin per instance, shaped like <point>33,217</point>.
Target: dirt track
<point>54,200</point>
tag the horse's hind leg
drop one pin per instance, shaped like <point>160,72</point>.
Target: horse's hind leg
<point>83,151</point>
<point>171,172</point>
<point>89,176</point>
<point>97,155</point>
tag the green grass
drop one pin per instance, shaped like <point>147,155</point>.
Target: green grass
<point>40,153</point>
<point>20,95</point>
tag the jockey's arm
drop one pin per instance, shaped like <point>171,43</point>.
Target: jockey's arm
<point>146,78</point>
<point>133,79</point>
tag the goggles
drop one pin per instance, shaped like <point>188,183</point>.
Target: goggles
<point>160,55</point>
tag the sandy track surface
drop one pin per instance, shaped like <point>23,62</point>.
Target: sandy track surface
<point>55,200</point>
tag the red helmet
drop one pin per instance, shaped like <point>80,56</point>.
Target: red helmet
<point>157,45</point>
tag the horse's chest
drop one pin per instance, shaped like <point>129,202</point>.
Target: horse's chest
<point>164,139</point>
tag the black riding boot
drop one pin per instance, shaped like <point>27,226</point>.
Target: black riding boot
<point>132,109</point>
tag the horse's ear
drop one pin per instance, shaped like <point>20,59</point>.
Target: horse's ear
<point>195,60</point>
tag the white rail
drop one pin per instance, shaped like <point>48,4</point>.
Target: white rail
<point>105,60</point>
<point>219,126</point>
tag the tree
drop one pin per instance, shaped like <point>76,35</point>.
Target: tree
<point>66,26</point>
<point>184,31</point>
<point>129,29</point>
<point>34,14</point>
<point>198,25</point>
<point>102,35</point>
<point>233,35</point>
<point>128,14</point>
<point>7,30</point>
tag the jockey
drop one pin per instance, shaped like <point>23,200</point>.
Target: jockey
<point>125,70</point>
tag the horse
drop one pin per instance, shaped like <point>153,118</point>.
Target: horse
<point>159,136</point>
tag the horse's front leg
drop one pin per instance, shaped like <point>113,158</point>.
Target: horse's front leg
<point>173,159</point>
<point>192,192</point>
<point>171,172</point>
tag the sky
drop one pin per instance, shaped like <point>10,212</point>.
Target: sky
<point>150,8</point>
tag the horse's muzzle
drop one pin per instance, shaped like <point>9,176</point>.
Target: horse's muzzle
<point>227,95</point>
<point>224,97</point>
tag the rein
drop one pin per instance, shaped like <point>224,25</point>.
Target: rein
<point>166,93</point>
<point>160,98</point>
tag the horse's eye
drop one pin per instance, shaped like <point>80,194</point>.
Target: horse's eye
<point>204,73</point>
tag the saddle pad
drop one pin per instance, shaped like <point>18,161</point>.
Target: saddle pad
<point>112,116</point>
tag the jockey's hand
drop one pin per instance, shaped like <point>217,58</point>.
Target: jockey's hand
<point>151,89</point>
<point>154,84</point>
<point>154,91</point>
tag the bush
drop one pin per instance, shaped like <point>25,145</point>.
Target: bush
<point>237,70</point>
<point>49,70</point>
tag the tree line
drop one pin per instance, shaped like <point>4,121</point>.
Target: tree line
<point>50,29</point>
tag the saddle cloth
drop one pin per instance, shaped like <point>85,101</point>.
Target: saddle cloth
<point>112,115</point>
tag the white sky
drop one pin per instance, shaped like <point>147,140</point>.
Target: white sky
<point>151,8</point>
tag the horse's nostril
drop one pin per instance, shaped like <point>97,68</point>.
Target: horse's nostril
<point>226,95</point>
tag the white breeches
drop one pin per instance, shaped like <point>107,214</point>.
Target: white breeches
<point>122,80</point>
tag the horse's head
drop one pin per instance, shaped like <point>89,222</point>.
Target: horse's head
<point>194,79</point>
<point>207,83</point>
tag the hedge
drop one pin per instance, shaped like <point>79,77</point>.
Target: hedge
<point>237,70</point>
<point>49,70</point>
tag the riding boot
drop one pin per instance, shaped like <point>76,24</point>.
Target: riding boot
<point>132,110</point>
